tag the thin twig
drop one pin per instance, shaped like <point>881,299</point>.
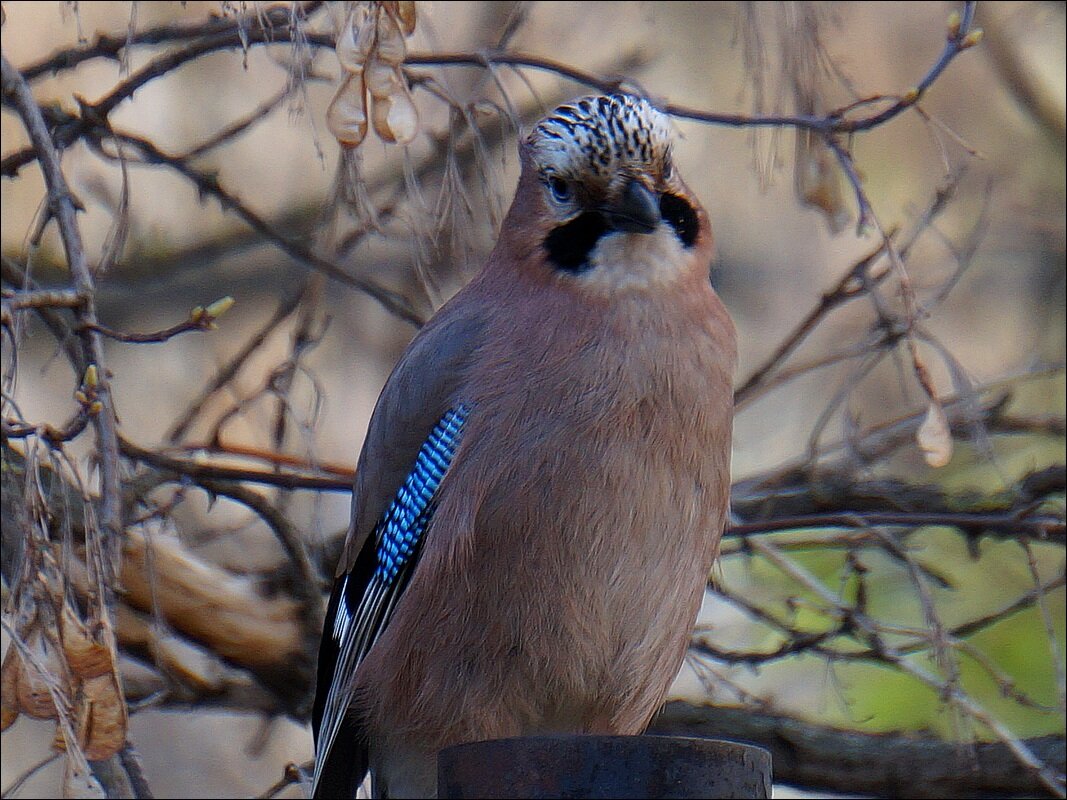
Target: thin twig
<point>198,470</point>
<point>1044,527</point>
<point>209,185</point>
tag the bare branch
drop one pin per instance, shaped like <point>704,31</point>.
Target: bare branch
<point>63,209</point>
<point>887,765</point>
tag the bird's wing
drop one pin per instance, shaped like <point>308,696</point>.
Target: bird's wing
<point>413,435</point>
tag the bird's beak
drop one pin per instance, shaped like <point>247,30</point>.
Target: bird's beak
<point>636,212</point>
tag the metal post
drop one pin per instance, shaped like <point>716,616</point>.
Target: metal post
<point>603,767</point>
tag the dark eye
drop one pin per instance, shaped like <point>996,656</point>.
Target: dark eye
<point>561,190</point>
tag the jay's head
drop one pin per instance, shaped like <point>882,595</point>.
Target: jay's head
<point>603,199</point>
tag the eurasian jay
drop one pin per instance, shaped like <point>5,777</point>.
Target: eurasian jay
<point>545,479</point>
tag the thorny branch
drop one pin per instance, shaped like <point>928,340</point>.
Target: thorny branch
<point>832,501</point>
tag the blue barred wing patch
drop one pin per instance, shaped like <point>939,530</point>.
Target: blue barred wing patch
<point>404,522</point>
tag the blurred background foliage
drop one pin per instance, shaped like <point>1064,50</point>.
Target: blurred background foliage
<point>419,219</point>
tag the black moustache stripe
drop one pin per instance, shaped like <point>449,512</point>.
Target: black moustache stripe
<point>681,216</point>
<point>569,245</point>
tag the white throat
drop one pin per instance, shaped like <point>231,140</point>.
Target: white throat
<point>634,261</point>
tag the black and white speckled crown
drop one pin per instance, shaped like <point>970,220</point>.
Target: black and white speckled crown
<point>600,133</point>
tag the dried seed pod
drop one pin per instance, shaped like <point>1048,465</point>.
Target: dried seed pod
<point>31,688</point>
<point>405,14</point>
<point>347,115</point>
<point>383,80</point>
<point>395,117</point>
<point>101,717</point>
<point>87,656</point>
<point>9,701</point>
<point>391,49</point>
<point>356,38</point>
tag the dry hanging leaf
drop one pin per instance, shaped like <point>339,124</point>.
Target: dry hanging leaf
<point>101,717</point>
<point>347,115</point>
<point>356,39</point>
<point>935,437</point>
